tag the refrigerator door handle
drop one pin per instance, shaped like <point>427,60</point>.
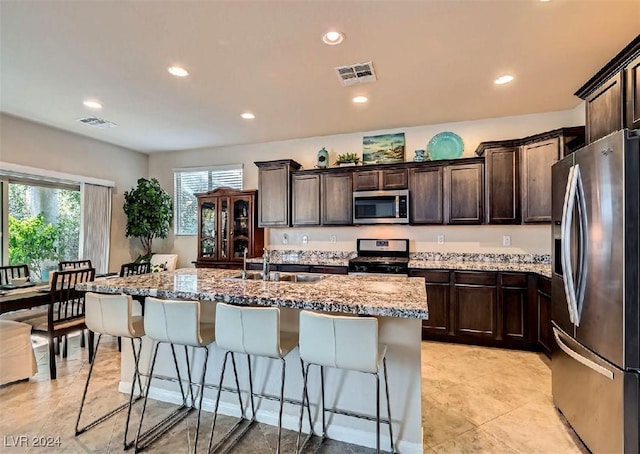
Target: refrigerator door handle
<point>582,245</point>
<point>565,256</point>
<point>581,359</point>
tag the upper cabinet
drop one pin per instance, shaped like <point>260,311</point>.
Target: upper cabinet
<point>274,192</point>
<point>612,97</point>
<point>322,198</point>
<point>518,180</point>
<point>463,194</point>
<point>226,227</point>
<point>426,185</point>
<point>377,180</point>
<point>305,199</point>
<point>337,202</point>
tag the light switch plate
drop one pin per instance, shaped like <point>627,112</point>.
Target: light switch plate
<point>506,240</point>
<point>440,239</point>
<point>305,239</point>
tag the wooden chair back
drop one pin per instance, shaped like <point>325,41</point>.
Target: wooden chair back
<point>134,268</point>
<point>67,303</point>
<point>12,271</point>
<point>74,264</point>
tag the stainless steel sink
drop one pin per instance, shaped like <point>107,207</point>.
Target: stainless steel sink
<point>276,276</point>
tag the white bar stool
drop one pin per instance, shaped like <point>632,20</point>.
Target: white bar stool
<point>112,315</point>
<point>343,342</point>
<point>252,331</point>
<point>175,323</point>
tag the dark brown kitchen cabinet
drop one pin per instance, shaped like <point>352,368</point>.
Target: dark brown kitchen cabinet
<point>226,227</point>
<point>305,199</point>
<point>611,96</point>
<point>426,197</point>
<point>438,301</point>
<point>537,160</point>
<point>463,194</point>
<point>474,304</point>
<point>632,82</point>
<point>513,308</point>
<point>337,200</point>
<point>544,333</point>
<point>376,180</point>
<point>502,183</point>
<point>604,108</point>
<point>274,192</point>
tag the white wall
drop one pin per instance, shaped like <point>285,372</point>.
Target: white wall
<point>531,239</point>
<point>30,144</point>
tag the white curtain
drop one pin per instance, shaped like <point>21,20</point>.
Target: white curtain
<point>96,225</point>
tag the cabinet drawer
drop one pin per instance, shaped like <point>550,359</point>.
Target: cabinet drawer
<point>514,280</point>
<point>436,277</point>
<point>328,269</point>
<point>475,277</point>
<point>544,285</point>
<point>285,268</point>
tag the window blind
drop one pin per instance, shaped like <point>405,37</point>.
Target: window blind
<point>191,181</point>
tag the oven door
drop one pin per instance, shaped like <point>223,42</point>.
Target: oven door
<point>381,207</point>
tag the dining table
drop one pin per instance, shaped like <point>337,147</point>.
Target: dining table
<point>25,297</point>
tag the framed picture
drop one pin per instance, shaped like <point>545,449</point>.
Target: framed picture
<point>383,149</point>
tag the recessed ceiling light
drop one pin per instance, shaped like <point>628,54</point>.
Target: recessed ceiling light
<point>248,116</point>
<point>92,104</point>
<point>178,71</point>
<point>505,79</point>
<point>332,38</point>
<point>360,99</point>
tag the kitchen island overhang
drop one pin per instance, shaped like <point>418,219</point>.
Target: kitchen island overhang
<point>399,303</point>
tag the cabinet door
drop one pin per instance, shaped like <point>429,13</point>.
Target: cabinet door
<point>604,109</point>
<point>394,179</point>
<point>425,186</point>
<point>208,229</point>
<point>306,199</point>
<point>537,160</point>
<point>337,199</point>
<point>633,94</point>
<point>240,227</point>
<point>438,301</point>
<point>224,213</point>
<point>513,306</point>
<point>543,303</point>
<point>367,180</point>
<point>273,196</point>
<point>463,192</point>
<point>502,186</point>
<point>475,304</point>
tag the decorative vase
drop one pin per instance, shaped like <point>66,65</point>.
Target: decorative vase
<point>419,157</point>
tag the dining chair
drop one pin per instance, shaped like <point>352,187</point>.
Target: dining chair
<point>65,312</point>
<point>135,268</point>
<point>11,272</point>
<point>64,265</point>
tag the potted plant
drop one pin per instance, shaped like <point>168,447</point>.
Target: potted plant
<point>347,159</point>
<point>149,211</point>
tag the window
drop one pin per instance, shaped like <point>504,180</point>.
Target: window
<point>187,182</point>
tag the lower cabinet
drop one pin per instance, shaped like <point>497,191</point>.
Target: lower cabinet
<point>480,308</point>
<point>544,333</point>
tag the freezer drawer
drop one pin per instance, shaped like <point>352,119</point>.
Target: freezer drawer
<point>600,401</point>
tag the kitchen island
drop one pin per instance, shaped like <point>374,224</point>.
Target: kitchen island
<point>399,303</point>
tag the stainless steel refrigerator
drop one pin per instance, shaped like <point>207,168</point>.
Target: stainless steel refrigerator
<point>595,298</point>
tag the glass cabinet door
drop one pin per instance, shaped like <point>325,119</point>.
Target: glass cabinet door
<point>208,228</point>
<point>241,210</point>
<point>224,229</point>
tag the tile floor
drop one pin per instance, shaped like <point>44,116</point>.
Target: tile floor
<point>475,400</point>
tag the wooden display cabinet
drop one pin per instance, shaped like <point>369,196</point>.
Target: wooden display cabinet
<point>226,226</point>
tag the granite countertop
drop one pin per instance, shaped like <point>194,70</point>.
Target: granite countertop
<point>391,296</point>
<point>461,265</point>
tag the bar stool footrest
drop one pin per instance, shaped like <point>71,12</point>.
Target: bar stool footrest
<point>338,411</point>
<point>233,431</point>
<point>148,437</point>
<point>106,416</point>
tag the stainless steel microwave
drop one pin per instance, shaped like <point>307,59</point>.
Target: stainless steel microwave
<point>381,207</point>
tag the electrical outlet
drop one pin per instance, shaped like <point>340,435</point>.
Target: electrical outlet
<point>285,238</point>
<point>305,239</point>
<point>440,239</point>
<point>332,238</point>
<point>506,240</point>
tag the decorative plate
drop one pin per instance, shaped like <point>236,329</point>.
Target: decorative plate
<point>445,145</point>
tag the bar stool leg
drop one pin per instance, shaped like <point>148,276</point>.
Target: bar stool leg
<point>386,387</point>
<point>305,397</point>
<point>377,413</point>
<point>136,375</point>
<point>324,425</point>
<point>253,407</point>
<point>84,393</point>
<point>146,394</point>
<point>282,376</point>
<point>204,373</point>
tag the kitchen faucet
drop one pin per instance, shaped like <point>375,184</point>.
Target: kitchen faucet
<point>244,263</point>
<point>265,265</point>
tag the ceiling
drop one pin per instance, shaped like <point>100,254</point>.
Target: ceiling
<point>435,62</point>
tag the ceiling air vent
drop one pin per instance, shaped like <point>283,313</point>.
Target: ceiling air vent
<point>97,122</point>
<point>359,73</point>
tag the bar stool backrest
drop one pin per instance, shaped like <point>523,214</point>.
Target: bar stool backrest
<point>250,330</point>
<point>110,314</point>
<point>339,341</point>
<point>176,322</point>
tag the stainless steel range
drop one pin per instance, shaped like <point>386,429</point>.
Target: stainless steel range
<point>381,256</point>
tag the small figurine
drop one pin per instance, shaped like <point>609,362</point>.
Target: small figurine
<point>323,159</point>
